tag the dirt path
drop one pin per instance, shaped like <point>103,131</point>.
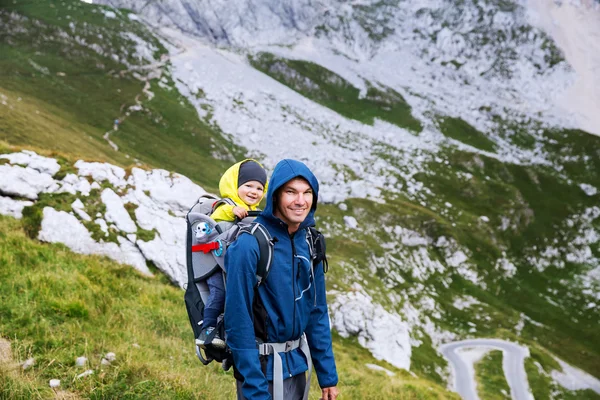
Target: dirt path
<point>154,72</point>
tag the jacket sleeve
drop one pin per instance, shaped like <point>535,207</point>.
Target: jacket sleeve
<point>318,335</point>
<point>241,260</point>
<point>223,213</point>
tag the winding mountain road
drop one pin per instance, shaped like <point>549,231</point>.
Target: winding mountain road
<point>513,364</point>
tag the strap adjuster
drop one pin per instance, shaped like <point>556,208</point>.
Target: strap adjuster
<point>288,345</point>
<point>263,349</point>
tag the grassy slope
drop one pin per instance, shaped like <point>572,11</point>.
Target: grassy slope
<point>537,200</point>
<point>491,383</point>
<point>331,90</point>
<point>56,306</point>
<point>78,114</point>
<point>71,112</point>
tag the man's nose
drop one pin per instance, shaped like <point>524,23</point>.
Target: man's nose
<point>300,200</point>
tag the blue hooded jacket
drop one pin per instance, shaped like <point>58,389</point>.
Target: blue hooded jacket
<point>293,302</point>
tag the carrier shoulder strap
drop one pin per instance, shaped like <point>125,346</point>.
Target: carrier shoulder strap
<point>221,202</point>
<point>265,249</point>
<point>316,242</point>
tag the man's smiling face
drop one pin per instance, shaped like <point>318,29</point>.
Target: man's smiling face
<point>294,201</point>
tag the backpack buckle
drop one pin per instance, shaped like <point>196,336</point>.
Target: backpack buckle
<point>288,345</point>
<point>219,250</point>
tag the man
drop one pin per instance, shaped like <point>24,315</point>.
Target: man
<point>287,305</point>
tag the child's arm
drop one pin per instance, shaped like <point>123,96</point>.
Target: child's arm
<point>224,213</point>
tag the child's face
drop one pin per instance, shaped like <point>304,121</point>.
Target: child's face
<point>251,192</point>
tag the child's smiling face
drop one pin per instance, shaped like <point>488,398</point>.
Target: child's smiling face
<point>251,192</point>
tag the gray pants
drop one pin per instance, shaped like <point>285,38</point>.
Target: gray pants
<point>293,388</point>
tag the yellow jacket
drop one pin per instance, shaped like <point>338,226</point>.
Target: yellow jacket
<point>228,186</point>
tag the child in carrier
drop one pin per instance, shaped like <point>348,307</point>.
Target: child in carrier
<point>244,183</point>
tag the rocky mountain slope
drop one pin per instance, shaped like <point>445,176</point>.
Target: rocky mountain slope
<point>459,196</point>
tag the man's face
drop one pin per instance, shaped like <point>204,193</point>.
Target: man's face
<point>295,198</point>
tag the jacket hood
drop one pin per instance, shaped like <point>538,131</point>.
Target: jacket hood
<point>228,185</point>
<point>284,171</point>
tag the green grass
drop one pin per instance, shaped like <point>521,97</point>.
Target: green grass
<point>63,96</point>
<point>491,383</point>
<point>33,215</point>
<point>537,201</point>
<point>460,130</point>
<point>56,306</point>
<point>331,90</point>
<point>72,97</point>
<point>543,387</point>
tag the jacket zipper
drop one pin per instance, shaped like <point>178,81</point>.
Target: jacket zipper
<point>287,360</point>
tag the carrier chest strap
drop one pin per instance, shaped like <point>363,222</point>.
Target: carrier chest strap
<point>276,348</point>
<point>206,247</point>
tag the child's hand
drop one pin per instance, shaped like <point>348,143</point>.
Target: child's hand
<point>240,212</point>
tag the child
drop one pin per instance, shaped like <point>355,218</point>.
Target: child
<point>244,183</point>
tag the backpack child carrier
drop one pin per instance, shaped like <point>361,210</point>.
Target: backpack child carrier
<point>207,242</point>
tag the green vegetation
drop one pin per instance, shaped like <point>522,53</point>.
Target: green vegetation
<point>458,129</point>
<point>491,383</point>
<point>56,306</point>
<point>68,72</point>
<point>543,387</point>
<point>64,85</point>
<point>142,234</point>
<point>33,215</point>
<point>331,90</point>
<point>527,207</point>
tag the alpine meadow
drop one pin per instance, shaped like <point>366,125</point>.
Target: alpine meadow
<point>457,146</point>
